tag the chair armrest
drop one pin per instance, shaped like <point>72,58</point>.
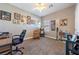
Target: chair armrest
<point>15,36</point>
<point>73,42</point>
<point>16,40</point>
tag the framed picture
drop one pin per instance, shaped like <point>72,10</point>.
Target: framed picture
<point>32,21</point>
<point>25,19</point>
<point>53,25</point>
<point>0,14</point>
<point>16,16</point>
<point>28,20</point>
<point>16,21</point>
<point>4,15</point>
<point>21,18</point>
<point>63,22</point>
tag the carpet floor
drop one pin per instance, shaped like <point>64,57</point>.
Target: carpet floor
<point>43,46</point>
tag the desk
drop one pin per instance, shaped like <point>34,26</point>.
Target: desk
<point>5,46</point>
<point>36,34</point>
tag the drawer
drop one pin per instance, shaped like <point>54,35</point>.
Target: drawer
<point>5,49</point>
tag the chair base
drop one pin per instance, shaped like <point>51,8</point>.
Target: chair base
<point>75,52</point>
<point>17,51</point>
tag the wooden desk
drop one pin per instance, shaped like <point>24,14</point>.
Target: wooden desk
<point>5,46</point>
<point>36,34</point>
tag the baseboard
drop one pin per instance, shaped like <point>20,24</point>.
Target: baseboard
<point>50,37</point>
<point>45,36</point>
<point>28,38</point>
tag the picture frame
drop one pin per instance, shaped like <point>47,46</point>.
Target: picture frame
<point>16,16</point>
<point>25,19</point>
<point>28,19</point>
<point>16,21</point>
<point>64,22</point>
<point>4,15</point>
<point>0,14</point>
<point>21,18</point>
<point>53,25</point>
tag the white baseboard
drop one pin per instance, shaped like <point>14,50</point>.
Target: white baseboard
<point>28,38</point>
<point>45,36</point>
<point>50,37</point>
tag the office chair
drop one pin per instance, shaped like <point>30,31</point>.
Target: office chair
<point>16,40</point>
<point>75,45</point>
<point>75,49</point>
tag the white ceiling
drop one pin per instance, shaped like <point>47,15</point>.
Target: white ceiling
<point>30,7</point>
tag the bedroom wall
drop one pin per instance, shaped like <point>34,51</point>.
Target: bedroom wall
<point>68,13</point>
<point>17,28</point>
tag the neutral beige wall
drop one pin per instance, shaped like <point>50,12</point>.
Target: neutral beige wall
<point>68,13</point>
<point>16,28</point>
<point>77,19</point>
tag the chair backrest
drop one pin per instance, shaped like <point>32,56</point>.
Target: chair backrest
<point>22,35</point>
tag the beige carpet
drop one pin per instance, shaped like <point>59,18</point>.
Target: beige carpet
<point>43,46</point>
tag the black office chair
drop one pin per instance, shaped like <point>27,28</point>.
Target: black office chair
<point>18,39</point>
<point>75,45</point>
<point>75,49</point>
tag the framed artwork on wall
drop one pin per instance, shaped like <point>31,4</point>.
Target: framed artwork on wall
<point>64,22</point>
<point>18,19</point>
<point>32,21</point>
<point>4,15</point>
<point>25,19</point>
<point>53,25</point>
<point>28,19</point>
<point>0,14</point>
<point>16,16</point>
<point>21,18</point>
<point>14,21</point>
